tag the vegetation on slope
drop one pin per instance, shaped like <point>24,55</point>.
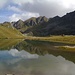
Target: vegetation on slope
<point>61,39</point>
<point>61,43</point>
<point>7,31</point>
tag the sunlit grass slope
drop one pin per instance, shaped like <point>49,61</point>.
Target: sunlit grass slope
<point>9,32</point>
<point>60,39</point>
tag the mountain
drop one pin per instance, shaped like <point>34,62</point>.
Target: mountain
<point>35,21</point>
<point>8,31</point>
<point>55,26</point>
<point>40,26</point>
<point>22,26</point>
<point>19,24</point>
<point>43,26</point>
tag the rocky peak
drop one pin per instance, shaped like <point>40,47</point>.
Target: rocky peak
<point>18,24</point>
<point>35,21</point>
<point>41,19</point>
<point>45,18</point>
<point>31,21</point>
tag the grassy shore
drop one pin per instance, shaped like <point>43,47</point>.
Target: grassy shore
<point>60,39</point>
<point>68,42</point>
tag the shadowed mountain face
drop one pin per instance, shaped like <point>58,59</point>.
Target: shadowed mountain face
<point>43,26</point>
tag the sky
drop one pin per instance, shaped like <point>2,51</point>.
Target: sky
<point>13,10</point>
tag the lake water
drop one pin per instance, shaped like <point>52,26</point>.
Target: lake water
<point>24,57</point>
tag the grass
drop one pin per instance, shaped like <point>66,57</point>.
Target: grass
<point>9,32</point>
<point>60,39</point>
<point>59,42</point>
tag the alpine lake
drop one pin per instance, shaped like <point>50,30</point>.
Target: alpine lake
<point>33,57</point>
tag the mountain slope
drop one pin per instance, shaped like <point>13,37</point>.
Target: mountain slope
<point>7,31</point>
<point>35,21</point>
<point>22,26</point>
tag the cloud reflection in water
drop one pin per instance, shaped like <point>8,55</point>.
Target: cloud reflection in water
<point>24,63</point>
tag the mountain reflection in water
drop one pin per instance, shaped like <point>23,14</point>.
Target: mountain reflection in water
<point>35,58</point>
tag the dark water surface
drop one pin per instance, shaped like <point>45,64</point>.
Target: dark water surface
<point>26,57</point>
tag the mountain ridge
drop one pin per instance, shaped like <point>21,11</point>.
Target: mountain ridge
<point>43,26</point>
<point>56,26</point>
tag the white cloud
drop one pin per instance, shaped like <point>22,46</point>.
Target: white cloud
<point>14,17</point>
<point>44,65</point>
<point>23,16</point>
<point>20,2</point>
<point>13,8</point>
<point>48,8</point>
<point>34,8</point>
<point>2,3</point>
<point>68,3</point>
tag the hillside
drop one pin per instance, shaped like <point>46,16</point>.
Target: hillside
<point>22,26</point>
<point>8,31</point>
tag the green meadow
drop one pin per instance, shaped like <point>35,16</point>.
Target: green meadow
<point>9,32</point>
<point>62,39</point>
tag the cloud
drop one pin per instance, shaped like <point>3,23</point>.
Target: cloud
<point>49,8</point>
<point>23,16</point>
<point>3,3</point>
<point>24,9</point>
<point>68,3</point>
<point>44,65</point>
<point>20,2</point>
<point>13,8</point>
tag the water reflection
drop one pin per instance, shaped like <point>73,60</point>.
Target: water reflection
<point>43,48</point>
<point>35,58</point>
<point>34,64</point>
<point>8,43</point>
